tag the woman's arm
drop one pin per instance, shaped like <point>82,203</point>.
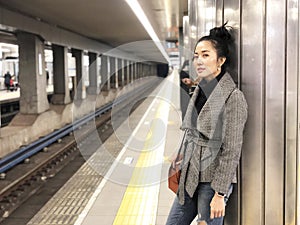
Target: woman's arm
<point>234,119</point>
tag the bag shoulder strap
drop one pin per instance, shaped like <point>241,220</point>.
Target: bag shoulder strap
<point>182,141</point>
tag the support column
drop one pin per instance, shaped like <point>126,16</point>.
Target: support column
<point>135,71</point>
<point>61,94</point>
<point>32,74</point>
<point>119,68</point>
<point>123,72</point>
<point>105,83</point>
<point>93,88</point>
<point>131,72</point>
<point>128,72</point>
<point>142,70</point>
<point>112,74</point>
<point>78,83</point>
<point>138,70</point>
<point>117,72</point>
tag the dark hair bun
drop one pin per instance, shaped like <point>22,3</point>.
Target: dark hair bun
<point>221,32</point>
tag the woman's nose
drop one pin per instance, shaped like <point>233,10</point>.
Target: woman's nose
<point>199,60</point>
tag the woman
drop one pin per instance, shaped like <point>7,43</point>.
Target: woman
<point>214,124</point>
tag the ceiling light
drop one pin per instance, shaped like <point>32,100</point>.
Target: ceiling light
<point>139,12</point>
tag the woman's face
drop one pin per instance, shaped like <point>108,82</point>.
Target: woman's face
<point>206,61</point>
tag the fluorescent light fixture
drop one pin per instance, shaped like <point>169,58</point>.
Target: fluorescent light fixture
<point>139,12</point>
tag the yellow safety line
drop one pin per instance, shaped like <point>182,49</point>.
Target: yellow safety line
<point>139,204</point>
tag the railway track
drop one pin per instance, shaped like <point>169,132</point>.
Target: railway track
<point>26,171</point>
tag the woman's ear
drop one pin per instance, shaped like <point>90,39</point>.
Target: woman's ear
<point>221,60</point>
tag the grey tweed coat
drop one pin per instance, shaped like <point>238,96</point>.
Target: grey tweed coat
<point>212,145</point>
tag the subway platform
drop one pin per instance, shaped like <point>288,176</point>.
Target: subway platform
<point>128,188</point>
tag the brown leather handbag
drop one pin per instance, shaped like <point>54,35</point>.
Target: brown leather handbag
<point>175,169</point>
<point>174,174</point>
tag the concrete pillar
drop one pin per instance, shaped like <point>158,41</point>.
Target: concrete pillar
<point>117,72</point>
<point>135,71</point>
<point>104,72</point>
<point>32,74</point>
<point>141,70</point>
<point>128,72</point>
<point>112,74</point>
<point>78,84</point>
<point>61,94</point>
<point>119,69</point>
<point>148,67</point>
<point>125,72</point>
<point>122,72</point>
<point>93,88</point>
<point>132,71</point>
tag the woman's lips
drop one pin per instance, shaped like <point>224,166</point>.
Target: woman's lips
<point>200,69</point>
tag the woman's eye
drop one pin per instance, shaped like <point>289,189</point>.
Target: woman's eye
<point>205,55</point>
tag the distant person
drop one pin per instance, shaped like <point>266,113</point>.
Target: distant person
<point>184,72</point>
<point>188,83</point>
<point>214,124</point>
<point>187,86</point>
<point>7,80</point>
<point>47,76</point>
<point>184,87</point>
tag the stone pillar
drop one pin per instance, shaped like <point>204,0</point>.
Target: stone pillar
<point>78,88</point>
<point>143,69</point>
<point>104,71</point>
<point>112,74</point>
<point>122,72</point>
<point>32,74</point>
<point>125,71</point>
<point>132,71</point>
<point>117,72</point>
<point>61,94</point>
<point>93,88</point>
<point>128,72</point>
<point>135,71</point>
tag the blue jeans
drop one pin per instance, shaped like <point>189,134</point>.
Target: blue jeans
<point>199,204</point>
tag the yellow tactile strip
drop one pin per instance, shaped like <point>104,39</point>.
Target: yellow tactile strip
<point>139,204</point>
<point>69,202</point>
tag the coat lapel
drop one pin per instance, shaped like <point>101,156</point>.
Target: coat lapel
<point>208,117</point>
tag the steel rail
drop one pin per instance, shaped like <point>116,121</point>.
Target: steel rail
<point>26,152</point>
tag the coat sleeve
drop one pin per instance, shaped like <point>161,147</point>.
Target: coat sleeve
<point>234,119</point>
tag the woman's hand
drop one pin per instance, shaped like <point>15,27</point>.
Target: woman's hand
<point>188,82</point>
<point>217,206</point>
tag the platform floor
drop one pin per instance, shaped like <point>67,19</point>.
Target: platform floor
<point>129,188</point>
<point>9,95</point>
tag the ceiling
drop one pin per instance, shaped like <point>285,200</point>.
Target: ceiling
<point>109,21</point>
